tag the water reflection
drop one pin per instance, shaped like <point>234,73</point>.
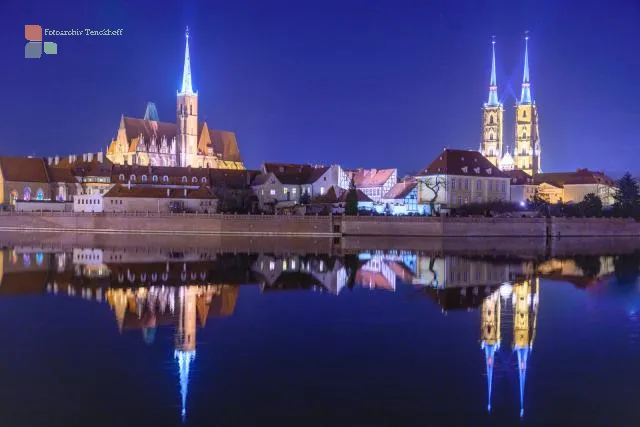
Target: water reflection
<point>155,288</point>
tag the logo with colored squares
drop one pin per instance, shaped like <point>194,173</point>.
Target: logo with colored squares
<point>35,46</point>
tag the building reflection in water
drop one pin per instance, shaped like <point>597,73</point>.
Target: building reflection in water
<point>154,288</point>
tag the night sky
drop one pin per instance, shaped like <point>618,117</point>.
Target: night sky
<point>361,83</point>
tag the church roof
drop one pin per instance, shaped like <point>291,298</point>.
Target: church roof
<point>224,143</point>
<point>581,176</point>
<point>462,162</point>
<point>23,169</point>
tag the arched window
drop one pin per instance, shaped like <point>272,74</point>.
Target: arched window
<point>165,178</point>
<point>155,178</point>
<point>26,193</point>
<point>491,136</point>
<point>524,135</point>
<point>204,180</point>
<point>490,120</point>
<point>121,177</point>
<point>132,178</point>
<point>62,193</point>
<point>184,179</point>
<point>191,109</point>
<point>40,194</point>
<point>194,180</point>
<point>144,178</point>
<point>524,113</point>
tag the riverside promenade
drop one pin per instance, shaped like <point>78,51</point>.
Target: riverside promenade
<point>315,226</point>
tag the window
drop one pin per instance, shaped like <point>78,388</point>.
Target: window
<point>272,192</point>
<point>466,184</point>
<point>504,187</point>
<point>453,183</point>
<point>524,113</point>
<point>165,179</point>
<point>321,191</point>
<point>121,177</point>
<point>204,180</point>
<point>490,185</point>
<point>194,180</point>
<point>144,178</point>
<point>40,194</point>
<point>155,178</point>
<point>26,194</point>
<point>478,185</point>
<point>184,179</point>
<point>132,178</point>
<point>285,190</point>
<point>293,191</point>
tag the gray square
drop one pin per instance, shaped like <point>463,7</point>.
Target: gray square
<point>33,50</point>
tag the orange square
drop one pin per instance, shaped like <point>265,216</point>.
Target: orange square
<point>33,33</point>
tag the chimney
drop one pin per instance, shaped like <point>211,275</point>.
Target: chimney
<point>71,158</point>
<point>56,160</point>
<point>49,161</point>
<point>100,157</point>
<point>84,157</point>
<point>90,157</point>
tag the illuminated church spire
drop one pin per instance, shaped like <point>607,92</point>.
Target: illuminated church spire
<point>523,355</point>
<point>184,360</point>
<point>493,85</point>
<point>525,95</point>
<point>186,74</point>
<point>490,336</point>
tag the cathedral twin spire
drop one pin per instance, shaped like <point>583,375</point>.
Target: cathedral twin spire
<point>525,95</point>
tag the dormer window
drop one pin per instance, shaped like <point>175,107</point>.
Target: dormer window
<point>132,178</point>
<point>184,179</point>
<point>165,179</point>
<point>465,169</point>
<point>121,177</point>
<point>476,170</point>
<point>155,179</point>
<point>194,180</point>
<point>489,171</point>
<point>144,178</point>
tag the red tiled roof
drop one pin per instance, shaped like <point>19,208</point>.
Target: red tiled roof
<point>463,162</point>
<point>400,190</point>
<point>581,176</point>
<point>25,169</point>
<point>159,193</point>
<point>292,174</point>
<point>519,177</point>
<point>61,175</point>
<point>370,177</point>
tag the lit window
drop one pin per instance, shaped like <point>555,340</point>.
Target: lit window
<point>285,190</point>
<point>478,185</point>
<point>204,180</point>
<point>165,179</point>
<point>321,191</point>
<point>194,180</point>
<point>293,191</point>
<point>26,194</point>
<point>40,194</point>
<point>155,178</point>
<point>132,178</point>
<point>453,183</point>
<point>272,192</point>
<point>184,179</point>
<point>121,177</point>
<point>144,178</point>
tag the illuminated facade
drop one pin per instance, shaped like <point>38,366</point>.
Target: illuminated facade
<point>526,150</point>
<point>185,143</point>
<point>527,147</point>
<point>492,117</point>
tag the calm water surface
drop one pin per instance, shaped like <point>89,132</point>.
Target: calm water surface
<point>153,336</point>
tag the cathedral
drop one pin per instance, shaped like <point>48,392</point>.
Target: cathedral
<point>185,143</point>
<point>525,155</point>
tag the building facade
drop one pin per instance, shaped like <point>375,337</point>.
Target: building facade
<point>460,177</point>
<point>185,143</point>
<point>375,183</point>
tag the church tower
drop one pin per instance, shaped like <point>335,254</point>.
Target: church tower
<point>185,350</point>
<point>492,114</point>
<point>527,147</point>
<point>490,337</point>
<point>187,115</point>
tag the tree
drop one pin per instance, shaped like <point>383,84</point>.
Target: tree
<point>433,184</point>
<point>541,202</point>
<point>627,196</point>
<point>305,199</point>
<point>351,207</point>
<point>591,205</point>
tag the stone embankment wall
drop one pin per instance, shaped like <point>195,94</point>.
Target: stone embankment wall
<point>284,225</point>
<point>170,224</point>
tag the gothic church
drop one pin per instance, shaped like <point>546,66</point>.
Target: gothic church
<point>185,143</point>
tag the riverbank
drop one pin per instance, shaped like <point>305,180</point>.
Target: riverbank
<point>316,226</point>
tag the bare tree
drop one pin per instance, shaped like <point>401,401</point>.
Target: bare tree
<point>433,184</point>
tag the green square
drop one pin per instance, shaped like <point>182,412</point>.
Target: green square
<point>50,48</point>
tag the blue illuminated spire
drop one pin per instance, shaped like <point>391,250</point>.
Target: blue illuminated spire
<point>523,355</point>
<point>525,95</point>
<point>184,360</point>
<point>186,74</point>
<point>493,86</point>
<point>489,355</point>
